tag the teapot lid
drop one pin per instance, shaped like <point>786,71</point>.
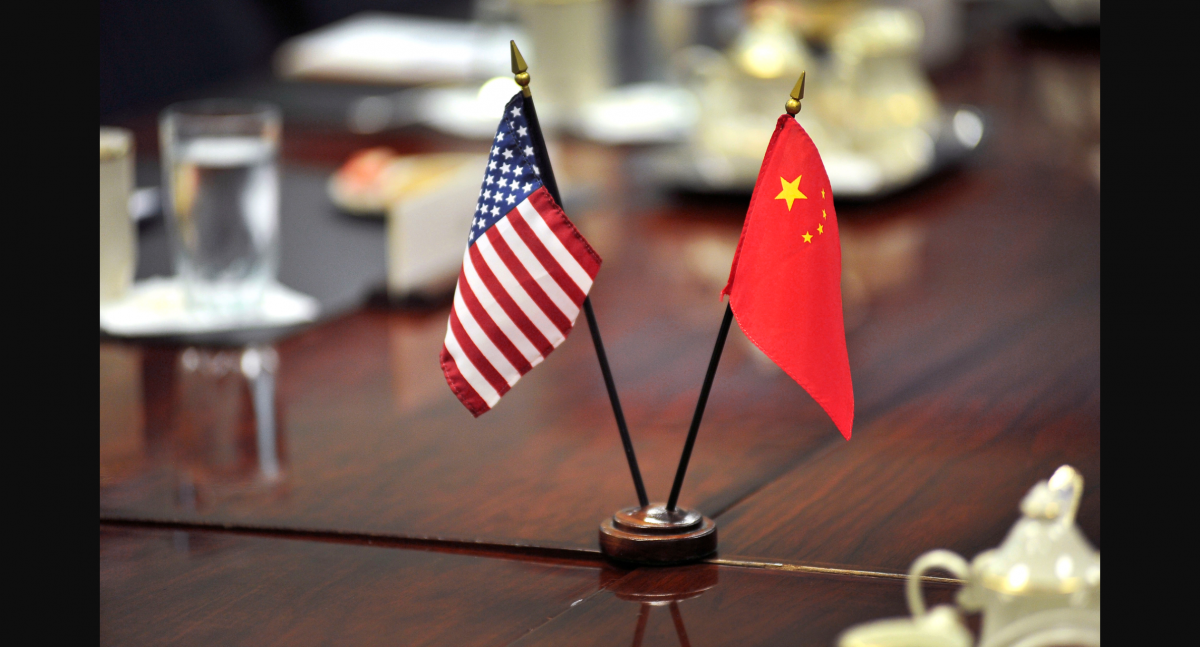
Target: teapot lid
<point>1044,552</point>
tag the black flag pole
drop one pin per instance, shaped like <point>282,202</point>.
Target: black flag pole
<point>519,69</point>
<point>700,404</point>
<point>792,106</point>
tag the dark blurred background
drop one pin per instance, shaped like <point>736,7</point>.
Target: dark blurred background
<point>151,51</point>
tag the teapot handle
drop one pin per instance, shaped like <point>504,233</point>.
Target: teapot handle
<point>1068,479</point>
<point>943,559</point>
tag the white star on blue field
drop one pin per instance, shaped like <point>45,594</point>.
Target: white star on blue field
<point>512,173</point>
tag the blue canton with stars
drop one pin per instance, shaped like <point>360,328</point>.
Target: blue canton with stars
<point>512,173</point>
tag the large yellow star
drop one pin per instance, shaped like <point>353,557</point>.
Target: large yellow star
<point>791,191</point>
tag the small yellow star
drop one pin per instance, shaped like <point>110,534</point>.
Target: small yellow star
<point>820,229</point>
<point>807,237</point>
<point>823,213</point>
<point>822,194</point>
<point>791,191</point>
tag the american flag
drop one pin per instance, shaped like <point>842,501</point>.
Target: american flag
<point>524,275</point>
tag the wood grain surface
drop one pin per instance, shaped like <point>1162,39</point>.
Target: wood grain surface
<point>189,587</point>
<point>740,606</point>
<point>200,587</point>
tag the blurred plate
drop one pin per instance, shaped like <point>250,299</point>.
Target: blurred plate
<point>645,113</point>
<point>956,135</point>
<point>156,307</point>
<point>376,47</point>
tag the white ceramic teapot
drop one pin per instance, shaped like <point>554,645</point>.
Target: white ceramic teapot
<point>1040,587</point>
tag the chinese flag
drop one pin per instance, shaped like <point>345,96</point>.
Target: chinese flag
<point>785,283</point>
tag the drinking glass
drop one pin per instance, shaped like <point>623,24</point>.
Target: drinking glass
<point>222,200</point>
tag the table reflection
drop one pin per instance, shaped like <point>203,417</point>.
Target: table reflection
<point>214,425</point>
<point>665,592</point>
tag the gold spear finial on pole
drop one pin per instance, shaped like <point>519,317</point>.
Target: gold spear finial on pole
<point>793,104</point>
<point>519,68</point>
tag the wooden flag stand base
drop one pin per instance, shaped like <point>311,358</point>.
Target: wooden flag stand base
<point>653,536</point>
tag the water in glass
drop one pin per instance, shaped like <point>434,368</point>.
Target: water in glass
<point>226,204</point>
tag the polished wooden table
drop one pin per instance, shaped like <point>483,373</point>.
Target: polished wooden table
<point>368,506</point>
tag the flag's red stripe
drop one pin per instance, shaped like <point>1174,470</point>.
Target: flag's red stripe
<point>547,260</point>
<point>477,358</point>
<point>461,387</point>
<point>507,304</point>
<point>489,327</point>
<point>566,232</point>
<point>527,281</point>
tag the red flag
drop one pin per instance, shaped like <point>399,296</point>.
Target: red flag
<point>785,283</point>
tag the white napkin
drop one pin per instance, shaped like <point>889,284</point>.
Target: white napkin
<point>156,307</point>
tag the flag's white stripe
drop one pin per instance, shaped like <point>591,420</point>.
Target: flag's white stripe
<point>518,294</point>
<point>497,313</point>
<point>555,246</point>
<point>536,270</point>
<point>484,343</point>
<point>468,370</point>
